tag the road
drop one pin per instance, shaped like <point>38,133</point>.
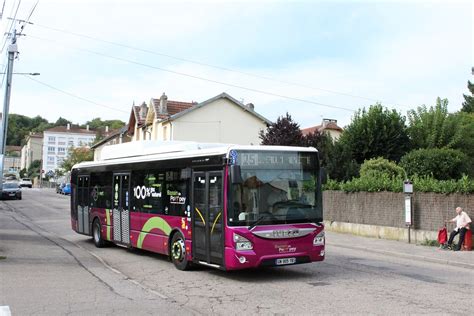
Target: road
<point>51,270</point>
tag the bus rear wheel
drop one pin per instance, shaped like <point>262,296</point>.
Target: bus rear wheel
<point>99,242</point>
<point>178,252</point>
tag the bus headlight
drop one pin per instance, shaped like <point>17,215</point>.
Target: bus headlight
<point>242,243</point>
<point>319,239</point>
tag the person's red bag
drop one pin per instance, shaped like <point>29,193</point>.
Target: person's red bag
<point>442,236</point>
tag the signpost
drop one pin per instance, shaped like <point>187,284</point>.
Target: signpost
<point>408,190</point>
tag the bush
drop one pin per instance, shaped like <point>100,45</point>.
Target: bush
<point>420,184</point>
<point>377,167</point>
<point>439,163</point>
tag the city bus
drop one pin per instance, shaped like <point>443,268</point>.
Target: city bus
<point>225,206</point>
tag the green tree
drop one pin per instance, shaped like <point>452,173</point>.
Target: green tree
<point>341,166</point>
<point>77,155</point>
<point>378,132</point>
<point>18,127</point>
<point>440,163</point>
<point>468,104</point>
<point>284,132</point>
<point>434,127</point>
<point>34,169</point>
<point>379,167</point>
<point>322,142</point>
<point>97,123</point>
<point>62,122</point>
<point>466,143</point>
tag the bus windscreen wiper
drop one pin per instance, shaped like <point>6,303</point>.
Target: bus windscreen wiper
<point>261,218</point>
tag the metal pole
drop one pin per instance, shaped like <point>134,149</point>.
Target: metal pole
<point>12,50</point>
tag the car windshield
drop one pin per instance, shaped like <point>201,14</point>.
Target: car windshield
<point>10,185</point>
<point>276,188</point>
<point>26,179</point>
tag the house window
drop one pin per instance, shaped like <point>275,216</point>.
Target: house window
<point>70,141</point>
<point>50,160</point>
<point>60,160</point>
<point>62,141</point>
<point>51,150</point>
<point>51,139</point>
<point>61,150</point>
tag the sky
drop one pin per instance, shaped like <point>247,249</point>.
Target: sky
<point>312,59</point>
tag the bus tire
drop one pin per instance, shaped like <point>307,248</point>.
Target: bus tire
<point>99,242</point>
<point>178,252</point>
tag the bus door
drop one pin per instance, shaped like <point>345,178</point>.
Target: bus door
<point>207,217</point>
<point>82,200</point>
<point>121,208</point>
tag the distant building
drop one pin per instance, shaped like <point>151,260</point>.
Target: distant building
<point>329,126</point>
<point>31,151</point>
<point>221,119</point>
<point>12,161</point>
<point>58,140</point>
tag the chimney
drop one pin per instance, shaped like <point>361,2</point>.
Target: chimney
<point>68,126</point>
<point>327,121</point>
<point>87,127</point>
<point>107,128</point>
<point>251,106</point>
<point>164,104</point>
<point>143,110</point>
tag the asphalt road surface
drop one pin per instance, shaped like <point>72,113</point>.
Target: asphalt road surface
<point>48,269</point>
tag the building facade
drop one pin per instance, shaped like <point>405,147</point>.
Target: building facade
<point>328,126</point>
<point>221,119</point>
<point>12,160</point>
<point>58,140</point>
<point>32,150</point>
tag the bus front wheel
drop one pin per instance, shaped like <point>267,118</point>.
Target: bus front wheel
<point>178,252</point>
<point>99,242</point>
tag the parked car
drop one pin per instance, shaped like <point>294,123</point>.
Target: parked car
<point>11,190</point>
<point>59,188</point>
<point>66,190</point>
<point>26,182</point>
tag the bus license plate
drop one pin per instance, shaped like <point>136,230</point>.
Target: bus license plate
<point>283,261</point>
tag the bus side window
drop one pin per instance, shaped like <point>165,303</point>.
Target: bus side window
<point>147,189</point>
<point>176,194</point>
<point>100,190</point>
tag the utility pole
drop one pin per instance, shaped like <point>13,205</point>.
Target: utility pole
<point>12,51</point>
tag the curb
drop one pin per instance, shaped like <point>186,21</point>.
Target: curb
<point>404,255</point>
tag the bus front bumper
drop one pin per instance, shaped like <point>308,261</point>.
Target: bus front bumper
<point>236,260</point>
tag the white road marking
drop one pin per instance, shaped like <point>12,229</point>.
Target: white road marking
<point>5,311</point>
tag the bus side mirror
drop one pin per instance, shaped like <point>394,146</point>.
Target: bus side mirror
<point>323,176</point>
<point>235,175</point>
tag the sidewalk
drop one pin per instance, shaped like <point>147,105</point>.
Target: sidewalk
<point>464,259</point>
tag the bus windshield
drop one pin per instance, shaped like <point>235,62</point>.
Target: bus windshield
<point>275,188</point>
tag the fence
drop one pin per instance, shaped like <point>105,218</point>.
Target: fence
<point>386,210</point>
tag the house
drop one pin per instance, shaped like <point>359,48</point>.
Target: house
<point>32,150</point>
<point>329,126</point>
<point>57,141</point>
<point>221,119</point>
<point>118,136</point>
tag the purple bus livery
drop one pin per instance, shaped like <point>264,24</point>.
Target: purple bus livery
<point>226,206</point>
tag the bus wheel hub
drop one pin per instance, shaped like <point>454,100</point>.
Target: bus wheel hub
<point>177,250</point>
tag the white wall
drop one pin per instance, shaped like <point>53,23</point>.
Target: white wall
<point>221,121</point>
<point>73,139</point>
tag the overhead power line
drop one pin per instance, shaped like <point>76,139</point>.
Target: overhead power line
<point>197,77</point>
<point>11,26</point>
<point>76,96</point>
<point>206,64</point>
